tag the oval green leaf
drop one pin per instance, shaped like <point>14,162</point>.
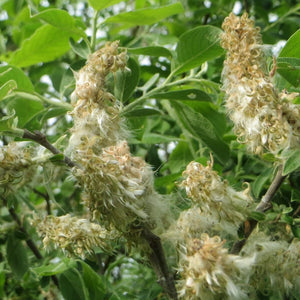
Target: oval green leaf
<point>291,50</point>
<point>46,44</point>
<point>151,51</point>
<point>197,46</point>
<point>146,16</point>
<point>188,94</point>
<point>292,163</point>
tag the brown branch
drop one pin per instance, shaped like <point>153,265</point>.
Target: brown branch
<point>265,202</point>
<point>47,199</point>
<point>30,243</point>
<point>41,139</point>
<point>263,206</point>
<point>159,263</point>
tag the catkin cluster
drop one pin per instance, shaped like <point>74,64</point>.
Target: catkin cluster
<point>73,235</point>
<point>16,165</point>
<point>217,207</point>
<point>117,187</point>
<point>263,119</point>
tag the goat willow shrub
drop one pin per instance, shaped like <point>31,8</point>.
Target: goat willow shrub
<point>176,117</point>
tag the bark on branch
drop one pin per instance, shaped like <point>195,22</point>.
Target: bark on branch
<point>159,263</point>
<point>41,139</point>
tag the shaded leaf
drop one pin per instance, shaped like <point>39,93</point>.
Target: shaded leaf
<point>199,128</point>
<point>188,94</point>
<point>260,181</point>
<point>196,46</point>
<point>151,51</point>
<point>127,80</point>
<point>54,269</point>
<point>80,48</point>
<point>72,286</point>
<point>16,256</point>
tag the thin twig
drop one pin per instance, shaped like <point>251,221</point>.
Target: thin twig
<point>47,199</point>
<point>263,206</point>
<point>159,263</point>
<point>41,139</point>
<point>30,243</point>
<point>265,202</point>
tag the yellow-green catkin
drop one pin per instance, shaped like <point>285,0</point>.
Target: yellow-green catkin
<point>16,166</point>
<point>118,188</point>
<point>216,206</point>
<point>73,235</point>
<point>208,272</point>
<point>276,268</point>
<point>264,119</point>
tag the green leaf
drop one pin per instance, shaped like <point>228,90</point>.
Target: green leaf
<point>80,48</point>
<point>166,180</point>
<point>127,80</point>
<point>93,282</point>
<point>146,16</point>
<point>46,44</point>
<point>260,181</point>
<point>16,256</point>
<point>180,157</point>
<point>258,216</point>
<point>7,87</point>
<point>292,163</point>
<point>72,286</point>
<point>54,269</point>
<point>289,51</point>
<point>59,18</point>
<point>18,102</point>
<point>151,51</point>
<point>188,94</point>
<point>101,4</point>
<point>8,125</point>
<point>139,112</point>
<point>155,138</point>
<point>296,231</point>
<point>197,46</point>
<point>2,279</point>
<point>199,128</point>
<point>22,80</point>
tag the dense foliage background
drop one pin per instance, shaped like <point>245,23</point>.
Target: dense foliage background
<point>173,107</point>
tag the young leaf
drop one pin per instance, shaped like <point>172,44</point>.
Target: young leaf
<point>46,44</point>
<point>146,16</point>
<point>291,50</point>
<point>260,181</point>
<point>16,256</point>
<point>196,46</point>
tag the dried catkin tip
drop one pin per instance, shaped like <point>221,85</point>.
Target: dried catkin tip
<point>97,123</point>
<point>278,262</point>
<point>209,272</point>
<point>75,236</point>
<point>16,165</point>
<point>263,119</point>
<point>215,197</point>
